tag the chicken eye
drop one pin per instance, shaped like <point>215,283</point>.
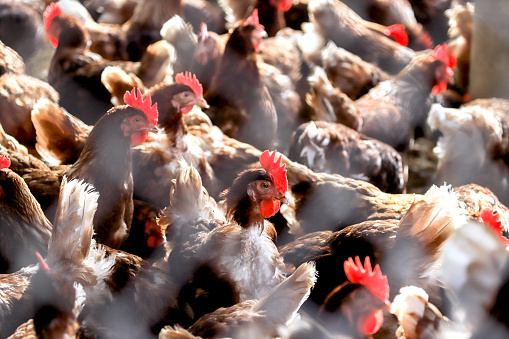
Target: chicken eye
<point>360,296</point>
<point>137,119</point>
<point>265,185</point>
<point>187,95</point>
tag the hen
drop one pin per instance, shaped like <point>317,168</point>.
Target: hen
<point>23,225</point>
<point>240,104</point>
<point>473,145</point>
<point>158,161</point>
<point>335,148</point>
<point>242,251</point>
<point>264,318</point>
<point>413,243</point>
<point>337,22</point>
<point>75,71</point>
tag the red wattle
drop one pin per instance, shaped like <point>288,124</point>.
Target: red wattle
<point>186,109</point>
<point>371,323</point>
<point>269,207</point>
<point>138,137</point>
<point>154,241</point>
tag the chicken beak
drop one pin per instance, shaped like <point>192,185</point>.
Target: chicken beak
<point>387,306</point>
<point>202,103</point>
<point>153,129</point>
<point>284,199</point>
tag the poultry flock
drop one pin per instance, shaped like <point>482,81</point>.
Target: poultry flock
<point>248,169</point>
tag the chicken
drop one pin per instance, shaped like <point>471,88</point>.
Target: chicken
<point>475,131</point>
<point>412,243</point>
<point>473,263</point>
<point>11,61</point>
<point>391,13</point>
<point>18,95</point>
<point>337,22</point>
<point>75,71</point>
<point>117,82</point>
<point>240,104</point>
<point>330,104</point>
<point>180,35</point>
<point>26,21</point>
<point>105,162</point>
<point>11,143</point>
<point>57,303</point>
<point>356,307</point>
<point>335,148</point>
<point>431,14</point>
<point>24,227</point>
<point>72,256</point>
<point>243,251</point>
<point>264,318</point>
<point>349,73</point>
<point>156,163</point>
<point>417,317</point>
<point>461,24</point>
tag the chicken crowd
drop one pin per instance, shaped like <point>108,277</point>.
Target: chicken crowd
<point>248,169</point>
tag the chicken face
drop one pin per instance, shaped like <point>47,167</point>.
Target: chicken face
<point>137,127</point>
<point>186,100</point>
<point>267,195</point>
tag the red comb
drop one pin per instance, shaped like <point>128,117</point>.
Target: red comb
<point>42,263</point>
<point>254,20</point>
<point>442,53</point>
<point>190,80</point>
<point>282,5</point>
<point>491,219</point>
<point>52,11</point>
<point>4,162</point>
<point>144,105</point>
<point>397,31</point>
<point>372,279</point>
<point>275,170</point>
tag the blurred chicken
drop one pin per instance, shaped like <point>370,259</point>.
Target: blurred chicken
<point>335,148</point>
<point>18,95</point>
<point>264,318</point>
<point>417,317</point>
<point>431,14</point>
<point>11,143</point>
<point>407,250</point>
<point>473,144</point>
<point>337,22</point>
<point>75,71</point>
<point>349,73</point>
<point>472,267</point>
<point>461,23</point>
<point>24,227</point>
<point>11,61</point>
<point>356,307</point>
<point>240,104</point>
<point>180,35</point>
<point>394,12</point>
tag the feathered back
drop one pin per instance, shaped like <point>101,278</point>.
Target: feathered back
<point>73,227</point>
<point>433,219</point>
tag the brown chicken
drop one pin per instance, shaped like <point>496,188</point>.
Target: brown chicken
<point>19,94</point>
<point>337,22</point>
<point>394,12</point>
<point>240,104</point>
<point>180,34</point>
<point>24,227</point>
<point>406,250</point>
<point>158,161</point>
<point>75,71</point>
<point>335,148</point>
<point>105,162</point>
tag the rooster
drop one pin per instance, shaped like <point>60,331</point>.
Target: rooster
<point>24,227</point>
<point>240,104</point>
<point>75,71</point>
